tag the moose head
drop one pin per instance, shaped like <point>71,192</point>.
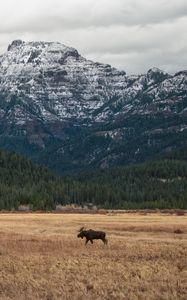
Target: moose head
<point>81,233</point>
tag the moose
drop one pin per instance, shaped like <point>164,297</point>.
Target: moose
<point>91,235</point>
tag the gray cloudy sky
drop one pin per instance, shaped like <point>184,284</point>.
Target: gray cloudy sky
<point>133,35</point>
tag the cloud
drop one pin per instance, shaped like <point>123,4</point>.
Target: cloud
<point>50,14</point>
<point>130,34</point>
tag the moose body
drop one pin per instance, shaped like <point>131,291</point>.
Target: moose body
<point>91,235</point>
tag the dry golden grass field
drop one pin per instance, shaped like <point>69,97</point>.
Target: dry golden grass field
<point>42,258</point>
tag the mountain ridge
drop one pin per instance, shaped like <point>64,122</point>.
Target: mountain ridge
<point>72,114</point>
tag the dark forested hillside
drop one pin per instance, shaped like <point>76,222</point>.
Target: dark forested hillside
<point>156,184</point>
<point>21,182</point>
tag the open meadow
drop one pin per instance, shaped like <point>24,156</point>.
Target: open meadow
<point>42,258</point>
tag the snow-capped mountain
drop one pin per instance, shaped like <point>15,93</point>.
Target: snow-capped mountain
<point>57,81</point>
<point>60,108</point>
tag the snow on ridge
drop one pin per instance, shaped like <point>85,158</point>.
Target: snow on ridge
<point>58,83</point>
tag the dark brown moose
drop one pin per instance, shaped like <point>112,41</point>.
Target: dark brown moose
<point>91,235</point>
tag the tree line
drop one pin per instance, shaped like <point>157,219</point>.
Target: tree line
<point>156,184</point>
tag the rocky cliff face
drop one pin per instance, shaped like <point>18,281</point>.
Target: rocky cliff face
<point>71,113</point>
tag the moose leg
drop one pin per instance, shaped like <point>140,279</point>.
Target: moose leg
<point>86,241</point>
<point>105,241</point>
<point>91,241</point>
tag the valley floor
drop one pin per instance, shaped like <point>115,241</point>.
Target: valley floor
<point>42,258</point>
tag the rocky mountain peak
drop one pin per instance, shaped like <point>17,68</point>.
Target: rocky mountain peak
<point>183,73</point>
<point>21,52</point>
<point>15,43</point>
<point>50,94</point>
<point>57,80</point>
<point>156,75</point>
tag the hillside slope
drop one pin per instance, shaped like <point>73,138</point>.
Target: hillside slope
<point>22,182</point>
<point>157,184</point>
